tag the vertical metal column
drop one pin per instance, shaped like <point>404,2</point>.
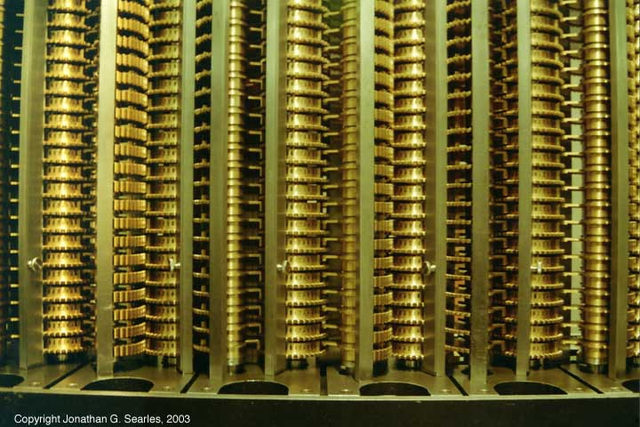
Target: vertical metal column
<point>619,189</point>
<point>275,224</point>
<point>436,187</point>
<point>30,183</point>
<point>104,182</point>
<point>186,133</point>
<point>218,200</point>
<point>366,105</point>
<point>478,361</point>
<point>525,183</point>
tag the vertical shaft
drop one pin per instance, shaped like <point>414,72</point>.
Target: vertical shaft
<point>236,143</point>
<point>349,134</point>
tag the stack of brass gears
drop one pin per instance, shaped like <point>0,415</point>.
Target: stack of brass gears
<point>162,179</point>
<point>633,33</point>
<point>597,136</point>
<point>305,196</point>
<point>547,184</point>
<point>459,163</point>
<point>547,279</point>
<point>409,178</point>
<point>130,171</point>
<point>63,180</point>
<point>236,142</point>
<point>349,163</point>
<point>201,174</point>
<point>383,184</point>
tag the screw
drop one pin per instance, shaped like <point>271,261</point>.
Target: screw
<point>73,384</point>
<point>284,267</point>
<point>429,267</point>
<point>34,264</point>
<point>206,388</point>
<point>173,265</point>
<point>537,268</point>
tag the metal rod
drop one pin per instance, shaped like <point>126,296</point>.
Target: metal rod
<point>218,200</point>
<point>275,132</point>
<point>364,346</point>
<point>436,186</point>
<point>30,183</point>
<point>480,197</point>
<point>525,182</point>
<point>186,136</point>
<point>104,182</point>
<point>618,318</point>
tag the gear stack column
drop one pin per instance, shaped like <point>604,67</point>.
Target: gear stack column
<point>63,178</point>
<point>409,178</point>
<point>305,245</point>
<point>130,171</point>
<point>162,182</point>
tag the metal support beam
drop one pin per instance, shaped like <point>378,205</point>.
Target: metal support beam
<point>30,183</point>
<point>436,185</point>
<point>480,194</point>
<point>218,200</point>
<point>525,183</point>
<point>185,138</point>
<point>104,182</point>
<point>366,180</point>
<point>619,288</point>
<point>275,221</point>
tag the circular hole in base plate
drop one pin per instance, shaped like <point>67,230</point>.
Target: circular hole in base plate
<point>120,384</point>
<point>526,388</point>
<point>255,387</point>
<point>633,385</point>
<point>393,389</point>
<point>10,380</point>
